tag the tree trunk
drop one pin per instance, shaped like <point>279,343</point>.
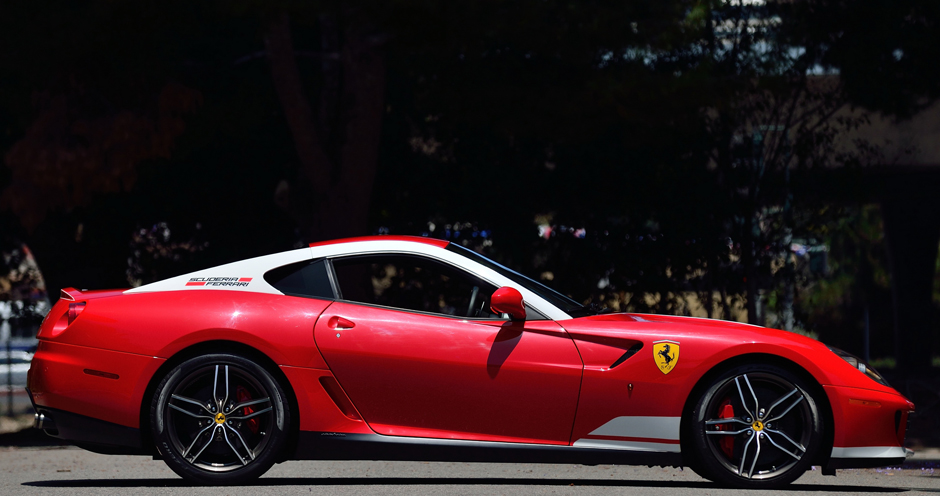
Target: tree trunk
<point>749,258</point>
<point>330,196</point>
<point>912,231</point>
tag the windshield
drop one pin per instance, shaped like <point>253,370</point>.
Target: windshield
<point>561,301</point>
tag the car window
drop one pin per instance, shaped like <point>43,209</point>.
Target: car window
<point>308,278</point>
<point>561,301</point>
<point>413,283</point>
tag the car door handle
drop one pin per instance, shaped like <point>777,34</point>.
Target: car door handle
<point>340,324</point>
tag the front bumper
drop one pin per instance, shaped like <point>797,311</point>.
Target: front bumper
<point>869,427</point>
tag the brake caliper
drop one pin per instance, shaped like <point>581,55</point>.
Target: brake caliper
<point>243,396</point>
<point>726,411</point>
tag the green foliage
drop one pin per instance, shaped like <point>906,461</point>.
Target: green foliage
<point>834,304</point>
<point>668,130</point>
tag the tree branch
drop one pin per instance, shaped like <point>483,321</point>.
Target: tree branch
<point>315,165</point>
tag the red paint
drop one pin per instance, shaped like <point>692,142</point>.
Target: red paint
<point>317,411</point>
<point>635,439</point>
<point>860,425</point>
<point>162,324</point>
<point>508,300</point>
<point>440,243</point>
<point>704,344</point>
<point>57,380</point>
<point>427,376</point>
<point>404,373</point>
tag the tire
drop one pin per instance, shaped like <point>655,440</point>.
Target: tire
<point>756,426</point>
<point>219,419</point>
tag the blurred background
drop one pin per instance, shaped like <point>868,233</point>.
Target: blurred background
<point>771,162</point>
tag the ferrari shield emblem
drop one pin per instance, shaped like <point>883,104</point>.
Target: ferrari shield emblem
<point>666,355</point>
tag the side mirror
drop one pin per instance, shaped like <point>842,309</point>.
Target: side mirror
<point>508,300</point>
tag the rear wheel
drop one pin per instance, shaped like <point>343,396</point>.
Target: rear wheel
<point>756,426</point>
<point>219,419</point>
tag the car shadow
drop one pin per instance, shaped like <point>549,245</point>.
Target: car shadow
<point>457,481</point>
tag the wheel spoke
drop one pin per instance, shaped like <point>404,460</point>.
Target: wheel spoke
<point>188,400</point>
<point>230,445</point>
<point>240,438</point>
<point>781,448</point>
<point>727,433</point>
<point>750,473</point>
<point>756,403</point>
<point>794,443</point>
<point>259,412</point>
<point>778,417</point>
<point>741,394</point>
<point>781,400</point>
<point>222,405</point>
<point>744,455</point>
<point>193,461</point>
<point>191,414</point>
<point>215,385</point>
<point>746,403</point>
<point>196,439</point>
<point>249,403</point>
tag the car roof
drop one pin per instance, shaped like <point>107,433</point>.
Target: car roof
<point>440,243</point>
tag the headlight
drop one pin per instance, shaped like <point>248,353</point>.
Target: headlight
<point>860,365</point>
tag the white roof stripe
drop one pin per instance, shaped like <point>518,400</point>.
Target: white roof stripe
<point>255,268</point>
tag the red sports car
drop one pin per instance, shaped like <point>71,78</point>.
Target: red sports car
<point>405,348</point>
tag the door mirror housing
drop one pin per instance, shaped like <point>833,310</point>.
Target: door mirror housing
<point>508,300</point>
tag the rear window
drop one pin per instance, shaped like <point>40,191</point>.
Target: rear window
<point>309,278</point>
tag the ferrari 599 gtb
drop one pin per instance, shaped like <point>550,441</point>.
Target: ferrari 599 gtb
<point>405,348</point>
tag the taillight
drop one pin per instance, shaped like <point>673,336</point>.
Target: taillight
<point>74,310</point>
<point>66,314</point>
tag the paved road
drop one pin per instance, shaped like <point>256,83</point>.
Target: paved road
<point>68,471</point>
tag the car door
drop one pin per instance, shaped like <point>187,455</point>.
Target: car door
<point>415,346</point>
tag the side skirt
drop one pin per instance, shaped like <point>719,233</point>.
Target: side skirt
<point>340,446</point>
<point>835,463</point>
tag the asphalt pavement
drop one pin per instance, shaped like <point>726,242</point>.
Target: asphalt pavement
<point>58,470</point>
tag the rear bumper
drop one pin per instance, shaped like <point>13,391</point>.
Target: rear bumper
<point>92,382</point>
<point>90,433</point>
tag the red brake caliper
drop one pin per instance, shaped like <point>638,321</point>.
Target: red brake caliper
<point>242,395</point>
<point>727,442</point>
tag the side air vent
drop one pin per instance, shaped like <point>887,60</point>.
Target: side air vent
<point>632,351</point>
<point>336,394</point>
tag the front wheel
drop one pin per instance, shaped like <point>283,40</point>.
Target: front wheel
<point>219,419</point>
<point>756,426</point>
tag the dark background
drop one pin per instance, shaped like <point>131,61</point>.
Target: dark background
<point>687,157</point>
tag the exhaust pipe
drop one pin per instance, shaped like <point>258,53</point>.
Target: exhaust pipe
<point>43,421</point>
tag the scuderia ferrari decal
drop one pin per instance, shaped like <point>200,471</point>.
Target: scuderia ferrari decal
<point>666,355</point>
<point>219,281</point>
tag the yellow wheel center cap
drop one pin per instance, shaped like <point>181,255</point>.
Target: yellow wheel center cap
<point>220,418</point>
<point>757,425</point>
